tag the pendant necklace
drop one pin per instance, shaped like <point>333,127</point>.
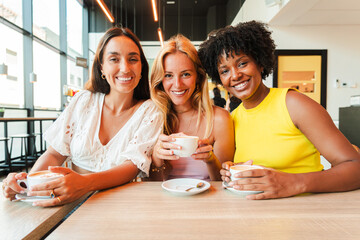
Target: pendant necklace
<point>191,119</point>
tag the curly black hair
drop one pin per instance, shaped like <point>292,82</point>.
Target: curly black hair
<point>251,38</point>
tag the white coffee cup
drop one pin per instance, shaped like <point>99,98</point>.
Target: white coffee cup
<point>188,145</point>
<point>240,168</point>
<point>38,178</point>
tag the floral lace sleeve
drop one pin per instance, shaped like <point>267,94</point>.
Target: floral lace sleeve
<point>144,138</point>
<point>60,133</point>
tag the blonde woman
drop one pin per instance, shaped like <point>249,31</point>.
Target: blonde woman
<point>179,88</point>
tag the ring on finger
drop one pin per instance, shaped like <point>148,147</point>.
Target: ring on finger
<point>52,194</point>
<point>58,198</point>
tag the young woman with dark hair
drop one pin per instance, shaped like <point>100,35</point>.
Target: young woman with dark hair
<point>107,131</point>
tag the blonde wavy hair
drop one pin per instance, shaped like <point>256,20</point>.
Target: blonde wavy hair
<point>200,99</point>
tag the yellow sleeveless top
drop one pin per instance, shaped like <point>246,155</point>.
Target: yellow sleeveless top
<point>267,135</point>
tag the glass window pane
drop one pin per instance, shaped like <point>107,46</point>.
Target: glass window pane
<point>47,70</point>
<point>74,28</point>
<point>46,21</point>
<point>12,11</point>
<point>11,54</point>
<point>75,75</point>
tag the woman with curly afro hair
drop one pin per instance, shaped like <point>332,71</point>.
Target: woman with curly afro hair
<point>278,128</point>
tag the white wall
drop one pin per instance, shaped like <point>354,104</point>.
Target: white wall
<point>341,41</point>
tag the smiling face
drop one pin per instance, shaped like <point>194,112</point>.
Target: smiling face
<point>121,64</point>
<point>241,76</point>
<point>179,80</point>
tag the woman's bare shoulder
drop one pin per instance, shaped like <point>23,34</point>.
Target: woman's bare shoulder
<point>221,114</point>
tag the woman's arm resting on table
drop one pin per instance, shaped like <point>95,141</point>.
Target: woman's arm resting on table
<point>73,185</point>
<point>115,176</point>
<point>315,123</point>
<point>49,158</point>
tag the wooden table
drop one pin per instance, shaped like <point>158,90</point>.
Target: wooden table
<point>20,220</point>
<point>145,211</point>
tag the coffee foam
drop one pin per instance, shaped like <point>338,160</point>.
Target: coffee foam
<point>242,167</point>
<point>186,137</point>
<point>45,175</point>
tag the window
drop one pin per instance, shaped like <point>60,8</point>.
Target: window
<point>11,10</point>
<point>75,75</point>
<point>47,70</point>
<point>74,28</point>
<point>46,21</point>
<point>11,53</point>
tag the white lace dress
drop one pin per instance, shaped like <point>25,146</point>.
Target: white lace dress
<point>76,134</point>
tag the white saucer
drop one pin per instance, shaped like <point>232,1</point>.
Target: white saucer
<point>25,198</point>
<point>240,192</point>
<point>179,185</point>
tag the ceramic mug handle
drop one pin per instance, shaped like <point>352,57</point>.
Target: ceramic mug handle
<point>22,183</point>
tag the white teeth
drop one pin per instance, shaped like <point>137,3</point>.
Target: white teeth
<point>123,79</point>
<point>241,85</point>
<point>179,93</point>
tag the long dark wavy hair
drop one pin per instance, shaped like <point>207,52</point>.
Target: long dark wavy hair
<point>97,84</point>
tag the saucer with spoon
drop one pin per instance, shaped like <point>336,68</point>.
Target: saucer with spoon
<point>185,186</point>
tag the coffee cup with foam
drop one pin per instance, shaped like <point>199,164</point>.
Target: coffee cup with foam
<point>240,168</point>
<point>39,177</point>
<point>188,144</point>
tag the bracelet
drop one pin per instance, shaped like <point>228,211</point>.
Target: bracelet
<point>158,169</point>
<point>211,157</point>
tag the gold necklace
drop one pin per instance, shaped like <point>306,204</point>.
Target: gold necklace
<point>187,130</point>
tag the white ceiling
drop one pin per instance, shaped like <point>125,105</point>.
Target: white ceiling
<point>318,12</point>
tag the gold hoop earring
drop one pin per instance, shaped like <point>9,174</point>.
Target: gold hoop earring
<point>103,76</point>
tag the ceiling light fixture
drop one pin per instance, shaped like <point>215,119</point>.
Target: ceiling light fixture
<point>161,37</point>
<point>154,10</point>
<point>105,10</point>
